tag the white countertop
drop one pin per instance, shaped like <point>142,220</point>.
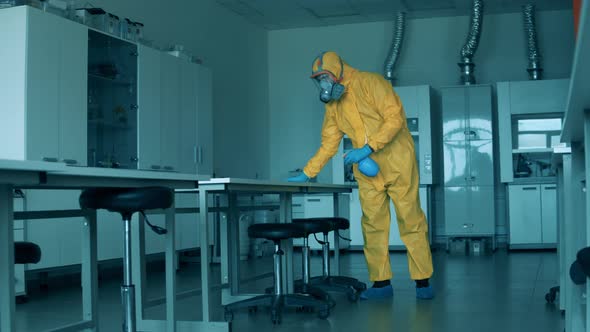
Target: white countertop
<point>30,165</point>
<point>214,181</point>
<point>63,169</point>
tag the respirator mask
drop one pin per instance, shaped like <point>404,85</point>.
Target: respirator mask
<point>329,88</point>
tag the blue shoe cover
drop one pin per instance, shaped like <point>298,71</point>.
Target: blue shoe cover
<point>425,293</point>
<point>377,293</point>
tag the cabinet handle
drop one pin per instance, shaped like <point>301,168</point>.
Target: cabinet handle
<point>169,168</point>
<point>550,188</point>
<point>468,225</point>
<point>314,200</point>
<point>196,161</point>
<point>529,188</point>
<point>296,205</point>
<point>156,167</point>
<point>50,159</point>
<point>70,161</point>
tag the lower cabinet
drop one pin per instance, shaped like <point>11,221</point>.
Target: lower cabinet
<point>533,215</point>
<point>315,206</point>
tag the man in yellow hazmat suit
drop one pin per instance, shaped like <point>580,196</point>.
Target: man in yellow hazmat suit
<point>364,106</point>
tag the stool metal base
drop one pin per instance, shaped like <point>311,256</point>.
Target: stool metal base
<point>340,280</point>
<point>330,285</point>
<point>278,303</point>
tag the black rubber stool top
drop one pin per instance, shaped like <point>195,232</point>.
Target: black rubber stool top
<point>336,223</point>
<point>26,253</point>
<point>276,231</point>
<point>312,226</point>
<point>127,200</point>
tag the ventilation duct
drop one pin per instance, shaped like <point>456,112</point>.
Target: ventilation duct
<point>398,38</point>
<point>468,51</point>
<point>530,29</point>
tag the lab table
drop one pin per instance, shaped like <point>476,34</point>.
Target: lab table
<point>46,175</point>
<point>229,238</point>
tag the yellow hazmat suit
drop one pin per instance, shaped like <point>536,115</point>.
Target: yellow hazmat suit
<point>370,112</point>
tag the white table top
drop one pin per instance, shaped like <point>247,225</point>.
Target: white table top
<point>270,183</point>
<point>57,172</point>
<point>297,186</point>
<point>30,165</point>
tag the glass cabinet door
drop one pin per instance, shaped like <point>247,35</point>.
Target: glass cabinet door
<point>112,102</point>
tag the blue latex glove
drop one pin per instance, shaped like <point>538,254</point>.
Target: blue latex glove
<point>357,155</point>
<point>299,178</point>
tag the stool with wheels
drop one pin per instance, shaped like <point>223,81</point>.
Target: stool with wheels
<point>278,300</point>
<point>127,201</point>
<point>327,282</point>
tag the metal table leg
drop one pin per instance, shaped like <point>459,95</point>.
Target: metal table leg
<point>204,243</point>
<point>90,271</point>
<point>286,214</point>
<point>336,264</point>
<point>138,267</point>
<point>170,270</point>
<point>6,259</point>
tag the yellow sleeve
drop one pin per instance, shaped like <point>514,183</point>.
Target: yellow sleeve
<point>389,106</point>
<point>331,137</point>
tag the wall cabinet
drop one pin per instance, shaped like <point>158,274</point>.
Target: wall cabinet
<point>533,215</point>
<point>44,68</point>
<point>74,95</point>
<point>175,114</point>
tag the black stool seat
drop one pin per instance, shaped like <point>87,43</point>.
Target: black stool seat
<point>127,200</point>
<point>336,223</point>
<point>26,253</point>
<point>276,231</point>
<point>313,226</point>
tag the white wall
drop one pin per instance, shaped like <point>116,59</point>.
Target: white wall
<point>429,56</point>
<point>237,53</point>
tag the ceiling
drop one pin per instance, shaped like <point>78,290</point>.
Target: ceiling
<point>284,14</point>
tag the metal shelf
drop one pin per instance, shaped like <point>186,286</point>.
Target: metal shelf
<point>109,79</point>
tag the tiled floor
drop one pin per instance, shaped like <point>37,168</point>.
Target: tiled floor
<point>501,292</point>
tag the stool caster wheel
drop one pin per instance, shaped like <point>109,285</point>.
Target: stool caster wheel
<point>229,316</point>
<point>360,286</point>
<point>331,302</point>
<point>353,296</point>
<point>550,297</point>
<point>21,299</point>
<point>253,309</point>
<point>304,309</point>
<point>324,313</point>
<point>275,318</point>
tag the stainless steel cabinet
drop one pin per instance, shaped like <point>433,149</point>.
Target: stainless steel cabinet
<point>468,161</point>
<point>469,211</point>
